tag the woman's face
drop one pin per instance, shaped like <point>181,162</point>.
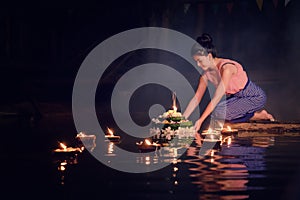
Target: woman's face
<point>205,62</point>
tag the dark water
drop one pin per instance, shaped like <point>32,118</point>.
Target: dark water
<point>246,168</point>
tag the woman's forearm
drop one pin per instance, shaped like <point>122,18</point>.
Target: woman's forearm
<point>191,106</point>
<point>219,93</point>
<point>197,98</point>
<point>210,107</point>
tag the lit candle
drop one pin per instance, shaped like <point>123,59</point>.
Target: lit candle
<point>210,131</point>
<point>175,109</point>
<point>227,140</point>
<point>68,154</point>
<point>147,145</point>
<point>65,155</point>
<point>65,149</point>
<point>213,136</point>
<point>111,135</point>
<point>229,130</point>
<point>174,102</point>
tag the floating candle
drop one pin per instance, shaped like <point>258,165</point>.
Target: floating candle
<point>64,153</point>
<point>111,136</point>
<point>147,145</point>
<point>65,149</point>
<point>212,138</point>
<point>227,140</point>
<point>229,130</point>
<point>210,131</point>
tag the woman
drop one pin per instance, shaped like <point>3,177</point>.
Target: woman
<point>244,100</point>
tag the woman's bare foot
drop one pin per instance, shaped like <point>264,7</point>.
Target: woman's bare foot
<point>262,115</point>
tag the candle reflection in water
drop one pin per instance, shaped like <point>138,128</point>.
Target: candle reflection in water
<point>62,168</point>
<point>110,149</point>
<point>212,174</point>
<point>175,172</point>
<point>147,160</point>
<point>263,141</point>
<point>226,140</point>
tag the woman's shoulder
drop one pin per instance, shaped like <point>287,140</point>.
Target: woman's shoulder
<point>225,61</point>
<point>228,60</point>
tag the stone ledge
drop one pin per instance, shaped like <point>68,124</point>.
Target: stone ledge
<point>266,128</point>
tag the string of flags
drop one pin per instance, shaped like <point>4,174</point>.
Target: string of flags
<point>230,5</point>
<point>275,2</point>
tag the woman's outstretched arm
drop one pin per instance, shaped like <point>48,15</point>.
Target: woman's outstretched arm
<point>194,102</point>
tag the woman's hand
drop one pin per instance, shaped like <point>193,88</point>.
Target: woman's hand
<point>198,124</point>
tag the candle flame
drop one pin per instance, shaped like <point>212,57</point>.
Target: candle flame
<point>174,101</point>
<point>110,132</point>
<point>209,130</point>
<point>147,142</point>
<point>175,108</point>
<point>220,124</point>
<point>229,128</point>
<point>229,141</point>
<point>63,146</point>
<point>61,168</point>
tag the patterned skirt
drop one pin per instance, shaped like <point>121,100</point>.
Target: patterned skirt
<point>241,106</point>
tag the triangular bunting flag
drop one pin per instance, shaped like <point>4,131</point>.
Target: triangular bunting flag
<point>186,7</point>
<point>275,3</point>
<point>260,4</point>
<point>286,2</point>
<point>229,7</point>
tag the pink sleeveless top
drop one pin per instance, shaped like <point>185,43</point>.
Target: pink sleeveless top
<point>238,80</point>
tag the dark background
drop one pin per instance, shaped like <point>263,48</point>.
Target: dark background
<point>42,45</point>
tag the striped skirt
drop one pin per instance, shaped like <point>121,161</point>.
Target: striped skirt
<point>241,106</point>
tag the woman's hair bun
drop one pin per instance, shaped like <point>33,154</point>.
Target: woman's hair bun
<point>204,46</point>
<point>205,40</point>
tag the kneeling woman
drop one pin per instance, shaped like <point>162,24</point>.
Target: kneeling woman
<point>244,99</point>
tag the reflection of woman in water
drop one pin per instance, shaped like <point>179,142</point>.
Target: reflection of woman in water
<point>231,168</point>
<point>244,99</point>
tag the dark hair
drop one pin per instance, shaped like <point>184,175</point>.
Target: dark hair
<point>204,46</point>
